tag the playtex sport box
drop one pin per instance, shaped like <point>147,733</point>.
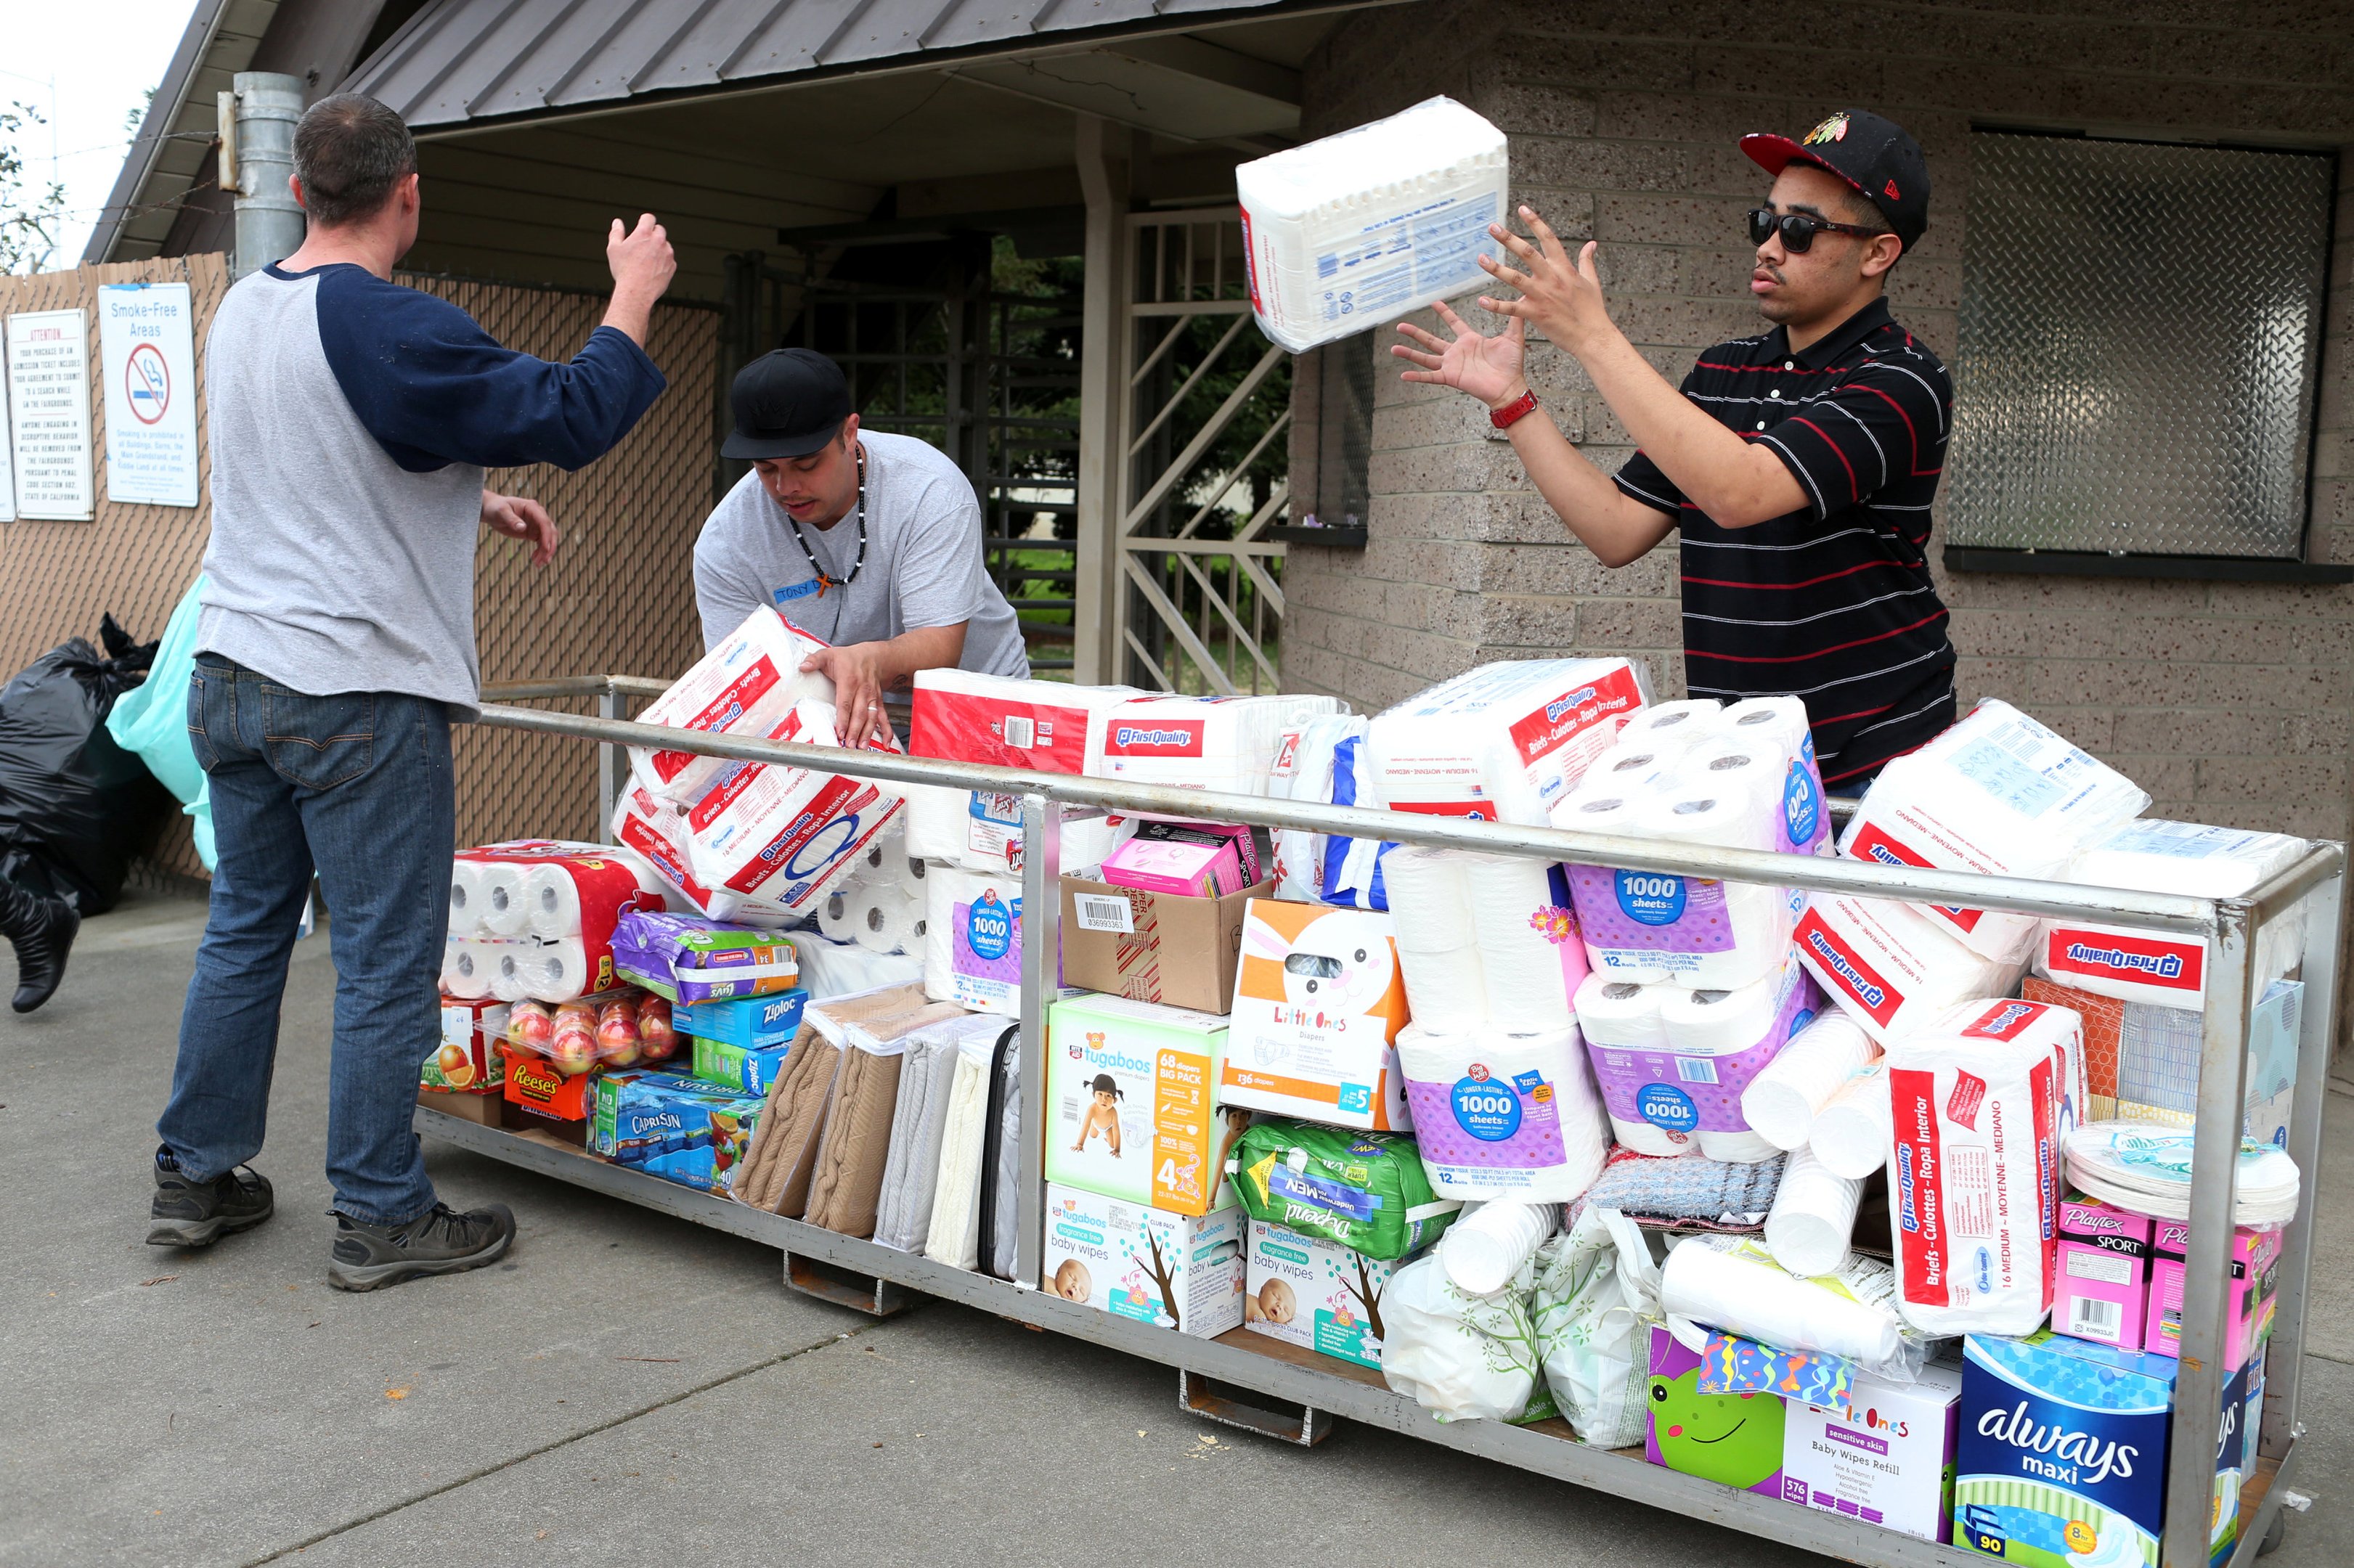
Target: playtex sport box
<point>2063,1452</point>
<point>1314,1292</point>
<point>1318,1006</point>
<point>1176,1271</point>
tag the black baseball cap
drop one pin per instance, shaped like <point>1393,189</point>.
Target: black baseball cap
<point>788,403</point>
<point>1877,157</point>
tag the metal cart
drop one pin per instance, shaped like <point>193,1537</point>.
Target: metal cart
<point>1253,1380</point>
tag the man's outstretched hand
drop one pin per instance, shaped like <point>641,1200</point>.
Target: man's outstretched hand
<point>1489,368</point>
<point>521,517</point>
<point>1562,297</point>
<point>643,264</point>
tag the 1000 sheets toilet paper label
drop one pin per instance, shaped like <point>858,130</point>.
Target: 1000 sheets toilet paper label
<point>1489,1124</point>
<point>1652,910</point>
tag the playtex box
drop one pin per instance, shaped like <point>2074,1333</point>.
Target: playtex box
<point>1734,1439</point>
<point>1154,948</point>
<point>2062,1456</point>
<point>1314,1292</point>
<point>1887,1459</point>
<point>468,1061</point>
<point>1131,1092</point>
<point>741,1044</point>
<point>1318,1006</point>
<point>2102,1288</point>
<point>1176,1271</point>
<point>2256,1258</point>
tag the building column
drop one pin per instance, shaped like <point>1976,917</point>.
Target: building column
<point>1106,154</point>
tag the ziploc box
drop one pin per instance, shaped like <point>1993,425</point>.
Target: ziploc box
<point>1502,743</point>
<point>1314,1292</point>
<point>1174,1271</point>
<point>741,1044</point>
<point>1887,1459</point>
<point>1132,1089</point>
<point>1318,1006</point>
<point>2063,1451</point>
<point>1734,1439</point>
<point>2102,1288</point>
<point>2255,1259</point>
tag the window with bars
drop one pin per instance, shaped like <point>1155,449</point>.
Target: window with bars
<point>1332,434</point>
<point>2140,327</point>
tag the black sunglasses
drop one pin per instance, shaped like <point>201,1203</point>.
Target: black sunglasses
<point>1798,228</point>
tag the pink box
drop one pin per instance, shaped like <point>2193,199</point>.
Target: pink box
<point>2254,1255</point>
<point>1188,867</point>
<point>2102,1288</point>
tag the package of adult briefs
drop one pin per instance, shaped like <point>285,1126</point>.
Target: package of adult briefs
<point>746,685</point>
<point>1503,742</point>
<point>1356,229</point>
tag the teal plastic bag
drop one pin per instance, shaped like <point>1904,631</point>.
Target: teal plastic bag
<point>151,721</point>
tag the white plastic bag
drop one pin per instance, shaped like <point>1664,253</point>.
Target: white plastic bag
<point>1597,1292</point>
<point>1461,1357</point>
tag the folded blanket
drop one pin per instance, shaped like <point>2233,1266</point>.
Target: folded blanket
<point>955,1236</point>
<point>902,1214</point>
<point>783,1156</point>
<point>846,1180</point>
<point>1002,1169</point>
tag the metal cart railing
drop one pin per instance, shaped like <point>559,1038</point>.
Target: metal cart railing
<point>817,1259</point>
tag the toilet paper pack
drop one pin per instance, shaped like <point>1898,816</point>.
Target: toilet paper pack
<point>1500,1115</point>
<point>1887,967</point>
<point>1684,1088</point>
<point>1132,1089</point>
<point>972,941</point>
<point>1314,1292</point>
<point>1503,742</point>
<point>782,833</point>
<point>1318,1007</point>
<point>980,830</point>
<point>744,685</point>
<point>1998,794</point>
<point>1228,745</point>
<point>1175,1271</point>
<point>960,715</point>
<point>1355,229</point>
<point>1974,1176</point>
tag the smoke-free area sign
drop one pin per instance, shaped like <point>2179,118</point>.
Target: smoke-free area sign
<point>146,351</point>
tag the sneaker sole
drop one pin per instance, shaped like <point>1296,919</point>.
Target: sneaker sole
<point>201,1233</point>
<point>367,1277</point>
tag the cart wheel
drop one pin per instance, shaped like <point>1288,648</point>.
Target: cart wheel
<point>2274,1533</point>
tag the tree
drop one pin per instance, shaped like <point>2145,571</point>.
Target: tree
<point>1163,1271</point>
<point>29,220</point>
<point>1368,1295</point>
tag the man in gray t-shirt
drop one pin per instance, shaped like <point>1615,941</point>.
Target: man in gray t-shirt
<point>870,541</point>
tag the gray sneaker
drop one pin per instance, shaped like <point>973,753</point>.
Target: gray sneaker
<point>443,1241</point>
<point>198,1213</point>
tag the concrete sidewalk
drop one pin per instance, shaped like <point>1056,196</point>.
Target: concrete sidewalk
<point>629,1387</point>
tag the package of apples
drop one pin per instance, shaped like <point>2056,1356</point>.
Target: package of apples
<point>623,1027</point>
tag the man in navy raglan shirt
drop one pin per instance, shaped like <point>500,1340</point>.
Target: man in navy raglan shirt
<point>350,421</point>
<point>1799,465</point>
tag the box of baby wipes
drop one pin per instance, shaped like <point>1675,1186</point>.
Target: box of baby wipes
<point>1314,1292</point>
<point>1174,1271</point>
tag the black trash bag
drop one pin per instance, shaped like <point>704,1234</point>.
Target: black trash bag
<point>75,808</point>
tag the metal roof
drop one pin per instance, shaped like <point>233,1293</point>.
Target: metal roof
<point>463,60</point>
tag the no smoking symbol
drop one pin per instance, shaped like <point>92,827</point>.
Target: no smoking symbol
<point>148,384</point>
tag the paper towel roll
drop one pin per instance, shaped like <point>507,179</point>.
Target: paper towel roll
<point>837,913</point>
<point>883,922</point>
<point>1530,956</point>
<point>504,910</point>
<point>1782,720</point>
<point>468,965</point>
<point>1812,1223</point>
<point>1621,1015</point>
<point>1504,1115</point>
<point>1752,1297</point>
<point>1437,945</point>
<point>1720,1023</point>
<point>909,871</point>
<point>1781,1101</point>
<point>542,971</point>
<point>1855,1131</point>
<point>1682,722</point>
<point>1489,1243</point>
<point>466,902</point>
<point>1724,808</point>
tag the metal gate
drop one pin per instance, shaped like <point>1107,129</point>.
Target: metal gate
<point>1197,600</point>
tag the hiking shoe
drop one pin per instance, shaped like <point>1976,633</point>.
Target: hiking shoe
<point>197,1213</point>
<point>441,1242</point>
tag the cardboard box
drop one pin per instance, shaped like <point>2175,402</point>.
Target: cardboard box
<point>534,1084</point>
<point>1131,1088</point>
<point>1734,1439</point>
<point>2256,1258</point>
<point>516,1118</point>
<point>1888,1459</point>
<point>1314,1292</point>
<point>641,1116</point>
<point>469,1058</point>
<point>1151,946</point>
<point>1318,1005</point>
<point>2102,1286</point>
<point>1177,1271</point>
<point>750,1023</point>
<point>480,1107</point>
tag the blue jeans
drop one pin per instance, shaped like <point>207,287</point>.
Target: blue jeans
<point>357,787</point>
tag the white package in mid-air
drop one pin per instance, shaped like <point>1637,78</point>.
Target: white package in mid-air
<point>1356,229</point>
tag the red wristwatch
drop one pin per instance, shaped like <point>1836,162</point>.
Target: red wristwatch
<point>1519,408</point>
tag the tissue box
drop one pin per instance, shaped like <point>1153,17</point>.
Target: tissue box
<point>1315,1294</point>
<point>534,1086</point>
<point>2103,1283</point>
<point>468,1061</point>
<point>1131,1088</point>
<point>2256,1255</point>
<point>1164,857</point>
<point>2063,1452</point>
<point>1174,951</point>
<point>1318,1007</point>
<point>1734,1439</point>
<point>1887,1460</point>
<point>1176,1271</point>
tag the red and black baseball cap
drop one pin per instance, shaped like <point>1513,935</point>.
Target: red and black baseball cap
<point>1877,157</point>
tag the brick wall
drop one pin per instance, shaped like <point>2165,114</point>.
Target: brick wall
<point>2229,702</point>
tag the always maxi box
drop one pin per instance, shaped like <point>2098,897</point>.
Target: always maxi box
<point>1153,947</point>
<point>1179,1271</point>
<point>1130,1092</point>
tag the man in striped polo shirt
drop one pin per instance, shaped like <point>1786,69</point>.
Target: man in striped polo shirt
<point>1798,465</point>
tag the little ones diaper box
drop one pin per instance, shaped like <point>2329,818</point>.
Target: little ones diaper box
<point>1317,1010</point>
<point>1131,1090</point>
<point>1315,1294</point>
<point>1887,1459</point>
<point>1176,1271</point>
<point>2061,1460</point>
<point>1153,947</point>
<point>2103,1282</point>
